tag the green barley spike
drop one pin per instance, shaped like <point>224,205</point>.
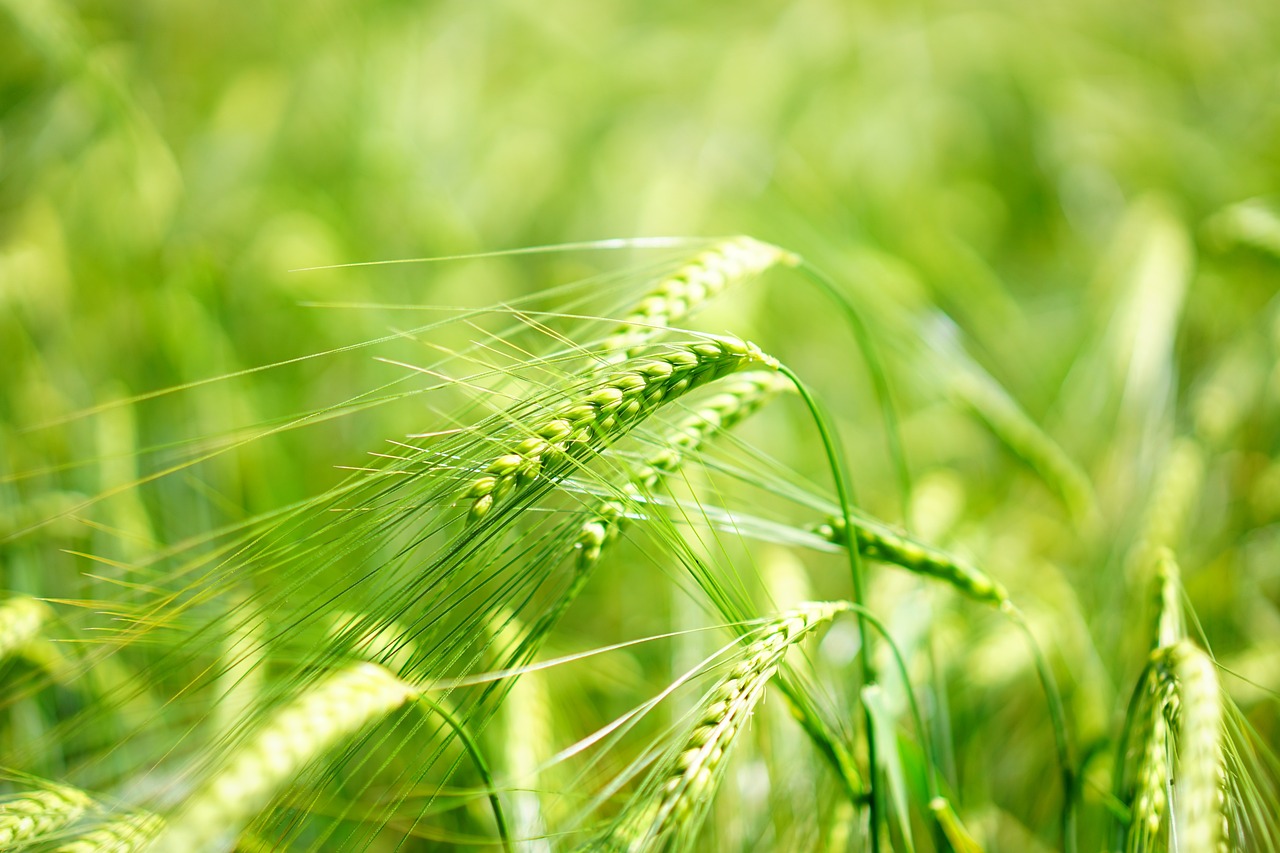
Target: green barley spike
<point>702,278</point>
<point>710,417</point>
<point>1151,797</point>
<point>328,712</point>
<point>1169,627</point>
<point>690,778</point>
<point>34,814</point>
<point>745,395</point>
<point>1200,812</point>
<point>880,542</point>
<point>605,411</point>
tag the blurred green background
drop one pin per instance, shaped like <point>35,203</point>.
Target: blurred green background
<point>1062,179</point>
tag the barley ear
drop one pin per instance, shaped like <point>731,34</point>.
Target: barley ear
<point>1158,703</point>
<point>34,814</point>
<point>1183,705</point>
<point>688,780</point>
<point>1155,771</point>
<point>1200,807</point>
<point>1170,625</point>
<point>709,418</point>
<point>698,280</point>
<point>879,541</point>
<point>329,711</point>
<point>601,413</point>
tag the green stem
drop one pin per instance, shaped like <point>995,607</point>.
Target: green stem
<point>1058,718</point>
<point>931,769</point>
<point>473,749</point>
<point>844,490</point>
<point>879,381</point>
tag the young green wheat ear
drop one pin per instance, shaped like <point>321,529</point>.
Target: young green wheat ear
<point>1182,698</point>
<point>671,814</point>
<point>330,711</point>
<point>1157,701</point>
<point>881,542</point>
<point>739,399</point>
<point>1155,768</point>
<point>710,417</point>
<point>603,412</point>
<point>34,814</point>
<point>1200,813</point>
<point>700,279</point>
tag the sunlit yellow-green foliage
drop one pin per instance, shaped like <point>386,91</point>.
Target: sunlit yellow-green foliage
<point>1058,223</point>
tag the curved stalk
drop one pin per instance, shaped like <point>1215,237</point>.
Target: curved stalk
<point>844,489</point>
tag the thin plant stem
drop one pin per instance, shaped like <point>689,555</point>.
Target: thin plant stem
<point>844,489</point>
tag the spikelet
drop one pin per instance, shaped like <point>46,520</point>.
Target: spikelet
<point>331,710</point>
<point>130,833</point>
<point>693,283</point>
<point>604,412</point>
<point>1151,797</point>
<point>881,542</point>
<point>33,814</point>
<point>687,782</point>
<point>1200,813</point>
<point>739,399</point>
<point>1182,704</point>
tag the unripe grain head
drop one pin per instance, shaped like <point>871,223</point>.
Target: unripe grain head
<point>602,412</point>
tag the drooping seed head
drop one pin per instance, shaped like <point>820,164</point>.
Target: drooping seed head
<point>1199,790</point>
<point>605,411</point>
<point>1150,800</point>
<point>34,814</point>
<point>329,711</point>
<point>741,397</point>
<point>690,778</point>
<point>881,542</point>
<point>702,278</point>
